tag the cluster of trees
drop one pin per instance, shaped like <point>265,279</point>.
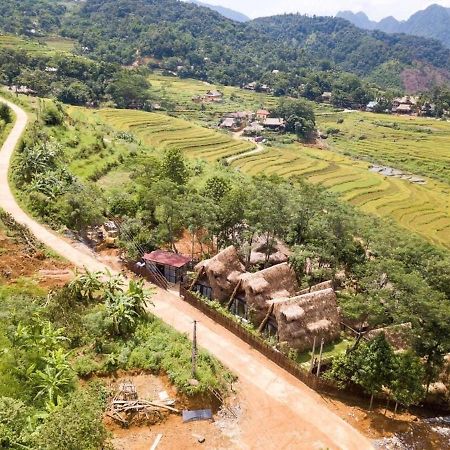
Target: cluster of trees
<point>376,368</point>
<point>299,116</point>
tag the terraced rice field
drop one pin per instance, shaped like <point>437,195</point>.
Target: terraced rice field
<point>28,45</point>
<point>422,209</point>
<point>418,145</point>
<point>164,132</point>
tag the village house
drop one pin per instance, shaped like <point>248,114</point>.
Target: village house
<point>371,106</point>
<point>274,123</point>
<point>326,97</point>
<point>229,123</point>
<point>404,105</point>
<point>172,266</point>
<point>253,129</point>
<point>270,299</point>
<point>262,115</point>
<point>213,96</point>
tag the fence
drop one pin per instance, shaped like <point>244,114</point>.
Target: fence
<point>318,384</point>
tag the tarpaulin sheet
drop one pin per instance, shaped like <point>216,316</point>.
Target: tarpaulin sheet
<point>200,414</point>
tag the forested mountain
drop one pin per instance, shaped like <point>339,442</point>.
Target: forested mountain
<point>226,12</point>
<point>433,22</point>
<point>198,42</point>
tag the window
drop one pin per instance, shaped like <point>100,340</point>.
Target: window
<point>239,308</point>
<point>204,291</point>
<point>271,328</point>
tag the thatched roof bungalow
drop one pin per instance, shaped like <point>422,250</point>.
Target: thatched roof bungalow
<point>300,319</point>
<point>220,274</point>
<point>260,287</point>
<point>399,336</point>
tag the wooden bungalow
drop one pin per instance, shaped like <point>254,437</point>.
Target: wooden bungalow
<point>172,266</point>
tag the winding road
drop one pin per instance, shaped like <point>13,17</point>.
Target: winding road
<point>279,412</point>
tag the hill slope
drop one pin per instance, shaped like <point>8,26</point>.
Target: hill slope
<point>433,22</point>
<point>208,46</point>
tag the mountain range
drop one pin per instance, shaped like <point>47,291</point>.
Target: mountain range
<point>432,22</point>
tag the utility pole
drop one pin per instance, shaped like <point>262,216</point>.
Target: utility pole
<point>194,350</point>
<point>320,356</point>
<point>311,365</point>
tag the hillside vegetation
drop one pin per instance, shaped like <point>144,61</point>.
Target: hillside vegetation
<point>206,45</point>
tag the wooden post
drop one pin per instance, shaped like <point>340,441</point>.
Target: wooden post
<point>196,278</point>
<point>266,319</point>
<point>194,350</point>
<point>233,295</point>
<point>320,357</point>
<point>311,365</point>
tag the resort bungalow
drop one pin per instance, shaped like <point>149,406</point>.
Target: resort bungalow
<point>404,105</point>
<point>271,299</point>
<point>253,129</point>
<point>172,266</point>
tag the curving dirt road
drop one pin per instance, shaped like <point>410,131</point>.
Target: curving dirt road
<point>279,412</point>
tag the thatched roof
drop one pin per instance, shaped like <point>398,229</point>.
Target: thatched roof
<point>317,287</point>
<point>279,252</point>
<point>223,272</point>
<point>268,284</point>
<point>304,317</point>
<point>399,336</point>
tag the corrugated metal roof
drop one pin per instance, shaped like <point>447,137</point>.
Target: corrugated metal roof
<point>167,258</point>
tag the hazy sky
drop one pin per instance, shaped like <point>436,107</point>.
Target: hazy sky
<point>376,9</point>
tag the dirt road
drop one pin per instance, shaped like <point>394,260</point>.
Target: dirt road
<point>239,136</point>
<point>280,412</point>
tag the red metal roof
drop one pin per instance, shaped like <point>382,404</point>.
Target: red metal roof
<point>167,258</point>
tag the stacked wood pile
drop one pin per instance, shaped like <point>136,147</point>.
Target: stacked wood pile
<point>128,409</point>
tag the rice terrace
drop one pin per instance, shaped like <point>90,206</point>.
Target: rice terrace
<point>423,209</point>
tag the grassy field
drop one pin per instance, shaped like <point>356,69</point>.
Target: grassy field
<point>418,145</point>
<point>422,209</point>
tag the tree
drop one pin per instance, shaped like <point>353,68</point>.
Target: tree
<point>129,89</point>
<point>299,117</point>
<point>5,113</point>
<point>407,379</point>
<point>86,284</point>
<point>374,362</point>
<point>174,166</point>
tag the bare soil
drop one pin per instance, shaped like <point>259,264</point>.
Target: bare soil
<point>16,263</point>
<point>176,434</point>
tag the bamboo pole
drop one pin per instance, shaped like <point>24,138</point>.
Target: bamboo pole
<point>311,364</point>
<point>320,357</point>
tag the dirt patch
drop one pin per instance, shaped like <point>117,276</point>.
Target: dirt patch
<point>175,434</point>
<point>16,262</point>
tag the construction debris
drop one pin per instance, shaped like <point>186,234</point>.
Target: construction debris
<point>200,414</point>
<point>127,408</point>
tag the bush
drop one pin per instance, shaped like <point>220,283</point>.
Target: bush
<point>52,116</point>
<point>13,423</point>
<point>75,424</point>
<point>5,113</point>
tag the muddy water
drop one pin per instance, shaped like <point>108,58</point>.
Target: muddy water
<point>430,434</point>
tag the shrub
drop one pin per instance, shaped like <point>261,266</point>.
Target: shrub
<point>75,424</point>
<point>13,423</point>
<point>52,116</point>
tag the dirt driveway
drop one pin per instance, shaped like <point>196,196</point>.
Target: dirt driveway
<point>280,412</point>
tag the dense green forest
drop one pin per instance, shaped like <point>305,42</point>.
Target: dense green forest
<point>200,43</point>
